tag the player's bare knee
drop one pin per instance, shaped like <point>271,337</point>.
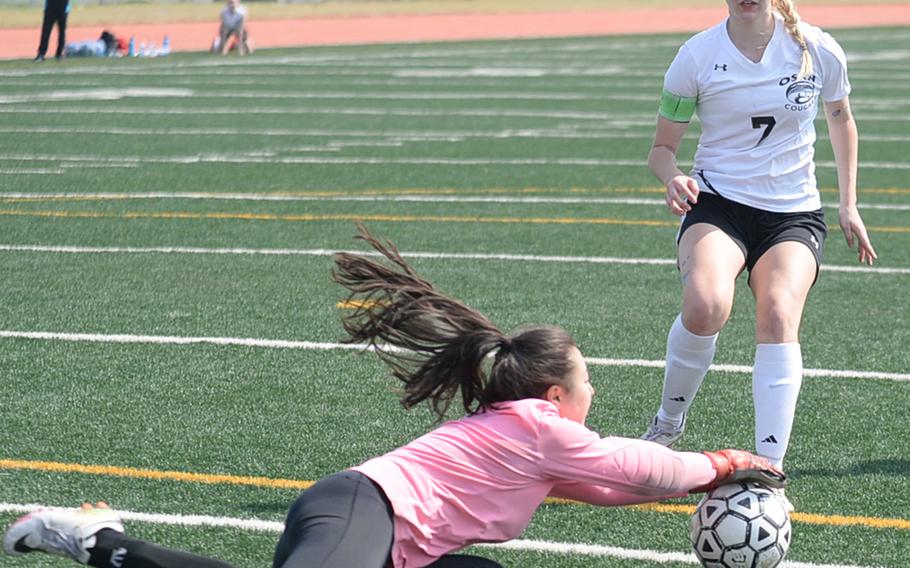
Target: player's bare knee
<point>706,312</point>
<point>705,322</point>
<point>778,322</point>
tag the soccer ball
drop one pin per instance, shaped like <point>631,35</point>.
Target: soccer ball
<point>740,525</point>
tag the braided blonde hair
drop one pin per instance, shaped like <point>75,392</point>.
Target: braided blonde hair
<point>791,21</point>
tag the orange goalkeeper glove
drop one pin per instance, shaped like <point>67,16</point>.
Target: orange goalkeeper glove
<point>739,465</point>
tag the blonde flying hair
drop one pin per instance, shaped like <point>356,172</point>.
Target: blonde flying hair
<point>787,10</point>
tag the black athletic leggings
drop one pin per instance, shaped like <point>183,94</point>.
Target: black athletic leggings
<point>343,521</point>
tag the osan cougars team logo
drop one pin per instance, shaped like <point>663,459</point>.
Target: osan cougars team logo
<point>801,93</point>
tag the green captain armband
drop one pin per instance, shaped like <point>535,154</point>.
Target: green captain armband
<point>677,108</point>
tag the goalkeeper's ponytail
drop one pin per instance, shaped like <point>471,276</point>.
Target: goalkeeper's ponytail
<point>436,345</point>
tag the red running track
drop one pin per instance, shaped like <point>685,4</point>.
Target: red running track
<point>22,43</point>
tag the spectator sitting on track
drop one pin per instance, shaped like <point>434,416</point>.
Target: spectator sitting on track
<point>233,25</point>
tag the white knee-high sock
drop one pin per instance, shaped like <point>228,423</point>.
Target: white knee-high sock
<point>776,379</point>
<point>688,359</point>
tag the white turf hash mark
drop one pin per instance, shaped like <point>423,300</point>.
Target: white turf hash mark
<point>200,195</point>
<point>258,525</point>
<point>242,158</point>
<point>326,346</point>
<point>428,255</point>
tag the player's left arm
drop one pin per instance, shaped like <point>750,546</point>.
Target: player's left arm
<point>845,142</point>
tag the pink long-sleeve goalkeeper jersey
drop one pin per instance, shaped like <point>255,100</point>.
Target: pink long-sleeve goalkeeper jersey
<point>480,478</point>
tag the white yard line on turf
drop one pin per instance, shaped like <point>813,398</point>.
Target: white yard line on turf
<point>403,135</point>
<point>413,135</point>
<point>249,158</point>
<point>323,346</point>
<point>108,94</point>
<point>631,119</point>
<point>423,71</point>
<point>116,94</point>
<point>377,198</point>
<point>553,60</point>
<point>566,548</point>
<point>167,519</point>
<point>569,133</point>
<point>491,78</point>
<point>411,254</point>
<point>376,58</point>
<point>170,93</point>
<point>644,119</point>
<point>30,172</point>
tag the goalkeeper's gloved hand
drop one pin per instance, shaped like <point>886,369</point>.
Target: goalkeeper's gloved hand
<point>739,465</point>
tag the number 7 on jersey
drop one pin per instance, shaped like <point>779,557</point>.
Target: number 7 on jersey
<point>768,122</point>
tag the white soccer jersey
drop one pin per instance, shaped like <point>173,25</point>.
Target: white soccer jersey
<point>232,19</point>
<point>758,132</point>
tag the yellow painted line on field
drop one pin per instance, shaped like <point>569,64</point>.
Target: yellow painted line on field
<point>170,215</point>
<point>277,483</point>
<point>808,518</point>
<point>335,217</point>
<point>356,304</point>
<point>885,190</point>
<point>137,473</point>
<point>844,520</point>
<point>665,508</point>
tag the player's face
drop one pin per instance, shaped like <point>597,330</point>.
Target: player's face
<point>575,397</point>
<point>748,9</point>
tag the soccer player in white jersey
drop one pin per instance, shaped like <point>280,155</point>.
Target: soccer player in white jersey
<point>756,82</point>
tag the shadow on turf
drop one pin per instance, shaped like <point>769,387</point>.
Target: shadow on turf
<point>897,467</point>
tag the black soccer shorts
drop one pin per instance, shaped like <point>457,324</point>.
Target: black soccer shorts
<point>754,230</point>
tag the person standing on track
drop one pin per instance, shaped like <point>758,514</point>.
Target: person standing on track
<point>756,82</point>
<point>55,12</point>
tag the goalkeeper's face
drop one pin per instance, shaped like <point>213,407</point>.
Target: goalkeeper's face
<point>574,395</point>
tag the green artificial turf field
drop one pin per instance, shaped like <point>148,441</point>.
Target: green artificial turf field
<point>146,202</point>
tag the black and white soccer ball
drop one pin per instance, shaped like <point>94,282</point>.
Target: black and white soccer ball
<point>740,525</point>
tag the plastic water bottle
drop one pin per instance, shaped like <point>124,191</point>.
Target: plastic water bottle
<point>132,49</point>
<point>165,46</point>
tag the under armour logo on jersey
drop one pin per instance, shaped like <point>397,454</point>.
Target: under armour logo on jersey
<point>721,66</point>
<point>118,556</point>
<point>814,242</point>
<point>678,399</point>
<point>769,440</point>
